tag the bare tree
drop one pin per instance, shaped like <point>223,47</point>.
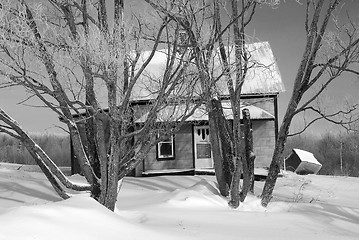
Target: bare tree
<point>242,63</point>
<point>194,18</point>
<point>217,42</point>
<point>328,53</point>
<point>87,66</point>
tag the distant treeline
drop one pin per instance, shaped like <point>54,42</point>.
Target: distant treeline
<point>56,146</point>
<point>338,154</point>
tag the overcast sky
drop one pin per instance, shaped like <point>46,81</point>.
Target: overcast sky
<point>282,27</point>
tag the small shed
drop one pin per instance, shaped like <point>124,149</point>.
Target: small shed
<point>302,162</point>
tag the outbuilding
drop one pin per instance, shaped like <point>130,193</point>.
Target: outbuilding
<point>302,162</point>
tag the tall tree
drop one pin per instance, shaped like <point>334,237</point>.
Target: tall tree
<point>328,53</point>
<point>196,20</point>
<point>87,66</point>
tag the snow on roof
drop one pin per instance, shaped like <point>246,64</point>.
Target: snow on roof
<point>263,76</point>
<point>306,156</point>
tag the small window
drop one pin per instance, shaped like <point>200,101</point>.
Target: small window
<point>165,148</point>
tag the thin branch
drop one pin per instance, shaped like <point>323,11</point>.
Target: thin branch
<point>329,118</point>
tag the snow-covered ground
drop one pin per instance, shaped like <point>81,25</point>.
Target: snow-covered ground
<point>180,207</point>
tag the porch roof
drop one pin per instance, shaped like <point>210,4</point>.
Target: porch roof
<point>175,113</point>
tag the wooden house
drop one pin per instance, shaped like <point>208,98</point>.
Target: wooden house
<point>189,150</point>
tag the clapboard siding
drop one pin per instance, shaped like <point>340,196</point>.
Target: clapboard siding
<point>183,153</point>
<point>263,142</point>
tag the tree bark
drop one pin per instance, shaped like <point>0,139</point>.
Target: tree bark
<point>235,186</point>
<point>248,167</point>
<point>221,146</point>
<point>276,162</point>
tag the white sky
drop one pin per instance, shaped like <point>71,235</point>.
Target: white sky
<point>282,27</point>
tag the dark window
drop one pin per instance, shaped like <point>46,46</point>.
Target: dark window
<point>165,148</point>
<point>204,151</point>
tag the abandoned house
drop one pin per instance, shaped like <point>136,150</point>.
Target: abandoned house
<point>189,150</point>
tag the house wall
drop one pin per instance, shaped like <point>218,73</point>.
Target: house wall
<point>264,131</point>
<point>183,142</point>
<point>263,142</point>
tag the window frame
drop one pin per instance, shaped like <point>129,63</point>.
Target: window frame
<point>166,157</point>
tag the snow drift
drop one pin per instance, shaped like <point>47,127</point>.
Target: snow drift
<point>180,207</point>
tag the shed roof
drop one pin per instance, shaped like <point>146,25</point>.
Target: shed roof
<point>306,156</point>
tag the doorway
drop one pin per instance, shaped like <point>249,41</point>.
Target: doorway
<point>202,148</point>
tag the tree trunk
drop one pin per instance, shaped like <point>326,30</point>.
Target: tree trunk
<point>109,188</point>
<point>234,201</point>
<point>90,147</point>
<point>109,192</point>
<point>276,163</point>
<point>248,162</point>
<point>221,146</point>
<point>45,163</point>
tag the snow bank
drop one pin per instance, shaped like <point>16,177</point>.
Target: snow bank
<point>201,194</point>
<point>183,207</point>
<point>79,217</point>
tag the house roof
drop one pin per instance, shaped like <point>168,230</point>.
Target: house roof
<point>263,76</point>
<point>174,113</point>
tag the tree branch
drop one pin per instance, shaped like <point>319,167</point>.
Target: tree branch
<point>42,159</point>
<point>329,118</point>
